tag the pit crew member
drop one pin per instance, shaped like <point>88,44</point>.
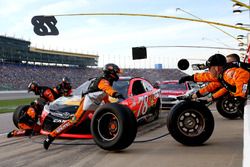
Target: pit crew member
<point>98,91</point>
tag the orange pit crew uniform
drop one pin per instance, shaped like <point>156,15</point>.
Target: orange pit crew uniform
<point>28,121</point>
<point>235,80</point>
<point>46,93</point>
<point>62,90</point>
<point>89,103</point>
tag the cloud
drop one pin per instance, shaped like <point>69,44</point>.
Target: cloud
<point>10,8</point>
<point>62,6</point>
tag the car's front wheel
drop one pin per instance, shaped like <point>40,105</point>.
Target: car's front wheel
<point>113,127</point>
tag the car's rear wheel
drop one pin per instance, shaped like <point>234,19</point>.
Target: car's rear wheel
<point>190,123</point>
<point>20,110</point>
<point>113,127</point>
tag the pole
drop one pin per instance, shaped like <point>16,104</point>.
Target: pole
<point>151,15</point>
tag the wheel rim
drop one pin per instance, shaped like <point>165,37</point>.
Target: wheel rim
<point>108,126</point>
<point>191,123</point>
<point>229,107</point>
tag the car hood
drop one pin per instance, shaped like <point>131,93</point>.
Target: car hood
<point>65,104</point>
<point>70,104</point>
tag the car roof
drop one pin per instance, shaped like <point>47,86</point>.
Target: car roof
<point>125,77</point>
<point>129,77</point>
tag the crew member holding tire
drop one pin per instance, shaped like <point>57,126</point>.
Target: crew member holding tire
<point>98,91</point>
<point>230,77</point>
<point>27,122</point>
<point>232,60</point>
<point>26,118</point>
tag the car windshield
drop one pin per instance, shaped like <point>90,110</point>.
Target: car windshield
<point>121,86</point>
<point>173,86</point>
<point>82,88</point>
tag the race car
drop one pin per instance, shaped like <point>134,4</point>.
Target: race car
<point>140,97</point>
<point>170,90</point>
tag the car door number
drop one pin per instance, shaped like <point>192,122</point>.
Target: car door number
<point>143,101</point>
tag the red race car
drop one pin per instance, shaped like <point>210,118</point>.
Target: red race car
<point>140,97</point>
<point>170,90</point>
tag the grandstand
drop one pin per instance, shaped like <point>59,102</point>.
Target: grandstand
<point>18,67</point>
<point>14,50</point>
<point>18,76</point>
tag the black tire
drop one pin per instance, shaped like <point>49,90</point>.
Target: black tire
<point>113,127</point>
<point>225,106</point>
<point>20,110</point>
<point>190,123</point>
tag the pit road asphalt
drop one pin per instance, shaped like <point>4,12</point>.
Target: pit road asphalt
<point>223,149</point>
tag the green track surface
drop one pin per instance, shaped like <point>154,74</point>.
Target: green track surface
<point>11,105</point>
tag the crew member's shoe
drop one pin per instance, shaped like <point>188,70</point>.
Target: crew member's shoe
<point>48,141</point>
<point>11,134</point>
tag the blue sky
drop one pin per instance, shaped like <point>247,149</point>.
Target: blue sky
<point>112,37</point>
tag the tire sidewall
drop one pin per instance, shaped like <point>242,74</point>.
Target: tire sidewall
<point>20,110</point>
<point>173,122</point>
<point>127,127</point>
<point>223,112</point>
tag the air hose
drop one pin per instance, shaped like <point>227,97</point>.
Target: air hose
<point>92,143</point>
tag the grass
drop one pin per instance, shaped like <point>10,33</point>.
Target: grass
<point>11,105</point>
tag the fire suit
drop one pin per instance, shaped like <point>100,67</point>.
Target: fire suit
<point>28,121</point>
<point>63,89</point>
<point>46,93</point>
<point>234,80</point>
<point>99,91</point>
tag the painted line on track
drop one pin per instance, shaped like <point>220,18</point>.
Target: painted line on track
<point>3,134</point>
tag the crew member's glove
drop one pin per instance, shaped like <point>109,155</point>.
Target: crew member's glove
<point>186,78</point>
<point>196,95</point>
<point>118,95</point>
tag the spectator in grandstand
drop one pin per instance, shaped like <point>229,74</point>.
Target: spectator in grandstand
<point>98,91</point>
<point>18,76</point>
<point>64,88</point>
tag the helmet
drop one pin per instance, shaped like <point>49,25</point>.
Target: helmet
<point>111,71</point>
<point>32,86</point>
<point>66,80</point>
<point>66,83</point>
<point>216,60</point>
